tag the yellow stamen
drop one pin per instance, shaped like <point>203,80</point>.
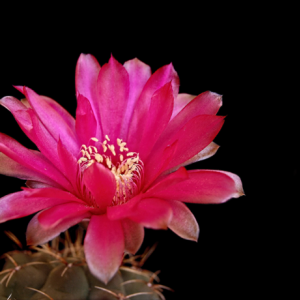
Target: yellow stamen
<point>94,139</point>
<point>112,149</point>
<point>106,136</point>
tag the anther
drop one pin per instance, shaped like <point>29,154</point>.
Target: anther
<point>104,148</point>
<point>130,154</point>
<point>94,139</point>
<point>84,147</point>
<point>106,136</point>
<point>87,155</point>
<point>98,157</point>
<point>108,162</point>
<point>112,149</point>
<point>121,157</point>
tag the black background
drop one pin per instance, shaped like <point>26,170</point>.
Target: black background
<point>223,53</point>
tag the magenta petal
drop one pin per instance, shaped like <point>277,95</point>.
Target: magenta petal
<point>139,117</point>
<point>51,217</point>
<point>104,247</point>
<point>69,165</point>
<point>27,202</point>
<point>167,180</point>
<point>139,73</point>
<point>204,186</point>
<point>122,211</point>
<point>86,124</point>
<point>207,152</point>
<point>180,102</point>
<point>52,121</point>
<point>38,235</point>
<point>31,159</point>
<point>183,222</point>
<point>207,103</point>
<point>189,143</point>
<point>158,118</point>
<point>133,234</point>
<point>67,117</point>
<point>87,71</point>
<point>153,213</point>
<point>113,91</point>
<point>101,183</point>
<point>9,167</point>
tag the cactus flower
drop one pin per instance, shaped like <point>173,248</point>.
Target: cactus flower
<point>119,164</point>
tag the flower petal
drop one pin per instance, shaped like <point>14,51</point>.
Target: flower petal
<point>113,91</point>
<point>86,75</point>
<point>69,165</point>
<point>207,152</point>
<point>164,182</point>
<point>133,234</point>
<point>37,235</point>
<point>204,186</point>
<point>139,117</point>
<point>183,222</point>
<point>101,183</point>
<point>153,213</point>
<point>52,216</point>
<point>189,144</point>
<point>86,124</point>
<point>68,118</point>
<point>180,102</point>
<point>31,159</point>
<point>119,212</point>
<point>139,73</point>
<point>104,247</point>
<point>207,103</point>
<point>27,202</point>
<point>9,167</point>
<point>52,121</point>
<point>158,118</point>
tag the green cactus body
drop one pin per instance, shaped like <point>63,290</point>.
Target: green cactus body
<point>64,275</point>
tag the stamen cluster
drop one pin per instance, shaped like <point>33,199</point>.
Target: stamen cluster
<point>126,166</point>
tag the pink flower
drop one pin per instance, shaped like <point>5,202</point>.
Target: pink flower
<point>119,164</point>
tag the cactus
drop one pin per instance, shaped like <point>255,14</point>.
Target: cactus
<point>57,272</point>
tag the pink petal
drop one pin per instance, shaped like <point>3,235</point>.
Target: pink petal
<point>69,165</point>
<point>87,72</point>
<point>133,234</point>
<point>31,159</point>
<point>101,183</point>
<point>52,121</point>
<point>104,247</point>
<point>197,134</point>
<point>86,124</point>
<point>139,117</point>
<point>158,118</point>
<point>38,235</point>
<point>52,216</point>
<point>183,222</point>
<point>122,211</point>
<point>27,202</point>
<point>166,181</point>
<point>204,186</point>
<point>9,167</point>
<point>67,117</point>
<point>207,103</point>
<point>113,91</point>
<point>158,163</point>
<point>180,102</point>
<point>153,213</point>
<point>207,152</point>
<point>139,73</point>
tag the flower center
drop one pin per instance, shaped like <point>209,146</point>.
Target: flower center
<point>126,166</point>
